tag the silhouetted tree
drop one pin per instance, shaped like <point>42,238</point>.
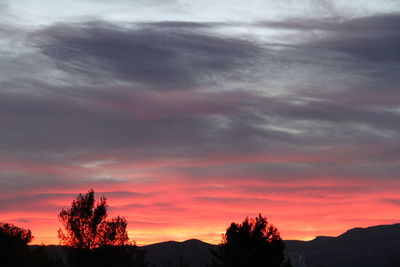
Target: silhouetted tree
<point>10,234</point>
<point>253,243</point>
<point>86,225</point>
<point>15,252</point>
<point>94,241</point>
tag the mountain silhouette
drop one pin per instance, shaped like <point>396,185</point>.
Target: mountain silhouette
<point>194,252</point>
<point>377,246</point>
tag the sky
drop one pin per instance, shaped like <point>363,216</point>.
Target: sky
<point>190,115</point>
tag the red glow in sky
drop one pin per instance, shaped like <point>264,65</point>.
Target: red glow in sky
<point>173,206</point>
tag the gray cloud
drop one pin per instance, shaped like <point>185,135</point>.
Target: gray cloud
<point>375,24</point>
<point>233,200</point>
<point>116,90</point>
<point>161,58</point>
<point>391,201</point>
<point>373,38</point>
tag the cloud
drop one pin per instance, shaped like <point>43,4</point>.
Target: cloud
<point>373,38</point>
<point>53,202</point>
<point>391,201</point>
<point>234,201</point>
<point>209,97</point>
<point>150,55</point>
<point>173,116</point>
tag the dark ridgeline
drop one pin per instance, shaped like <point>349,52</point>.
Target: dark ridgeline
<point>253,243</point>
<point>377,246</point>
<point>194,253</point>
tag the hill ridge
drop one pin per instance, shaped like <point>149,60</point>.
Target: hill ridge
<point>373,246</point>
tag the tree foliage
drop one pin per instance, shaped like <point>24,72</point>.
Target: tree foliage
<point>86,225</point>
<point>253,243</point>
<point>11,234</point>
<point>14,249</point>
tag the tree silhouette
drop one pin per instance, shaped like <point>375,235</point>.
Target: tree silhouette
<point>86,225</point>
<point>253,243</point>
<point>94,241</point>
<point>10,234</point>
<point>14,249</point>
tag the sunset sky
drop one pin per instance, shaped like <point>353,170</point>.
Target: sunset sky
<point>189,115</point>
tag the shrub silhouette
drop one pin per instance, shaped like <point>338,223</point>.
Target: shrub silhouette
<point>253,243</point>
<point>86,225</point>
